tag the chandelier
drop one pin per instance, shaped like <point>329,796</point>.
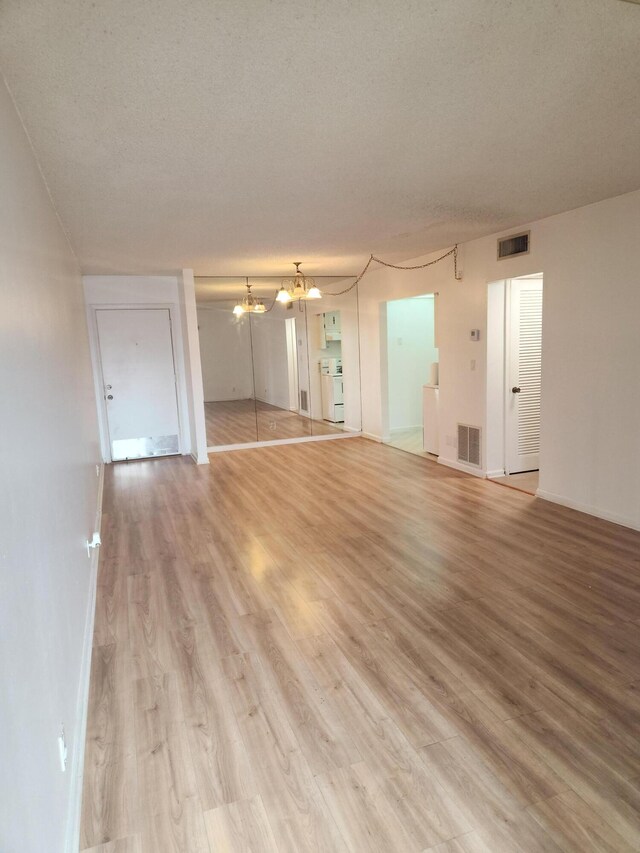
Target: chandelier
<point>298,287</point>
<point>250,304</point>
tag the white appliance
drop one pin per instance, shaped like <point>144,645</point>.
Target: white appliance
<point>332,391</point>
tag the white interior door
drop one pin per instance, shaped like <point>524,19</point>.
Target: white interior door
<point>136,354</point>
<point>524,361</point>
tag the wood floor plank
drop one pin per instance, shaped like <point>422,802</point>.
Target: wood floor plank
<point>132,844</point>
<point>575,827</point>
<point>364,815</point>
<point>425,661</point>
<point>241,827</point>
<point>181,830</point>
<point>297,813</point>
<point>322,736</point>
<point>220,761</point>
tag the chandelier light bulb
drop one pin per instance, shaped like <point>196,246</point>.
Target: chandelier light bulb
<point>238,310</point>
<point>283,296</point>
<point>314,293</point>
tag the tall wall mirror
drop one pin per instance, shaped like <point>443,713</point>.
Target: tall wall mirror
<point>290,372</point>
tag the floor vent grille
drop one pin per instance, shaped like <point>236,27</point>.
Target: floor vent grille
<point>469,444</point>
<point>304,400</point>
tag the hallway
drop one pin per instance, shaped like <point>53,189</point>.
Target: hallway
<point>312,648</point>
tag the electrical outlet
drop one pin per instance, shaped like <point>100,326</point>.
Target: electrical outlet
<point>62,750</point>
<point>97,470</point>
<point>272,426</point>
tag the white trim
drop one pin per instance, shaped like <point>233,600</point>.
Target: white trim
<point>250,445</point>
<point>193,366</point>
<point>372,436</point>
<point>589,510</point>
<point>491,475</point>
<point>72,839</point>
<point>461,466</point>
<point>405,428</point>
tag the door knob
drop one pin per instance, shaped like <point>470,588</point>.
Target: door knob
<point>515,390</point>
<point>109,396</point>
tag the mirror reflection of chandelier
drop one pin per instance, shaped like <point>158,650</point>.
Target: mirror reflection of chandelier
<point>300,286</point>
<point>250,304</point>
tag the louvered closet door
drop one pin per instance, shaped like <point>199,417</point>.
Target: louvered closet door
<point>524,376</point>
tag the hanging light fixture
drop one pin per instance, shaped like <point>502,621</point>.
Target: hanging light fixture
<point>298,287</point>
<point>249,305</point>
<point>283,295</point>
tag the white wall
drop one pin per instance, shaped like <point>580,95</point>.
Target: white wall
<point>590,259</point>
<point>225,351</point>
<point>270,365</point>
<point>48,455</point>
<point>410,354</point>
<point>130,290</point>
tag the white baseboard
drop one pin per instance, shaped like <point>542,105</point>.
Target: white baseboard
<point>200,460</point>
<point>372,437</point>
<point>461,466</point>
<point>491,475</point>
<point>396,430</point>
<point>589,510</point>
<point>72,841</point>
<point>275,442</point>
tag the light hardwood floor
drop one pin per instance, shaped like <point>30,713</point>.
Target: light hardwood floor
<point>411,441</point>
<point>242,421</point>
<point>336,646</point>
<point>526,482</point>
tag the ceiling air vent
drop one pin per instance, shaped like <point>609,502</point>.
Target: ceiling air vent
<point>469,444</point>
<point>516,244</point>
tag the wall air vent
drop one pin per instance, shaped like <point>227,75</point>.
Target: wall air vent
<point>469,444</point>
<point>515,244</point>
<point>304,403</point>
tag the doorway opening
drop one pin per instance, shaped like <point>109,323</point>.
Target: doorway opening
<point>514,381</point>
<point>410,410</point>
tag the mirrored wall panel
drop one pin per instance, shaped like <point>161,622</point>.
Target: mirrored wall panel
<point>289,372</point>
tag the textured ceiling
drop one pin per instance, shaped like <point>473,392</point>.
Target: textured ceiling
<point>235,136</point>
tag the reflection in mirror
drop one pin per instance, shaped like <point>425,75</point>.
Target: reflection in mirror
<point>333,364</point>
<point>291,372</point>
<point>227,370</point>
<point>275,368</point>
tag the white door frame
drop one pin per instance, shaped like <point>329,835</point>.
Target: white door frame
<point>98,380</point>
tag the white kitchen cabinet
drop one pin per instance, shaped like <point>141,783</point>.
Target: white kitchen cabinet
<point>331,329</point>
